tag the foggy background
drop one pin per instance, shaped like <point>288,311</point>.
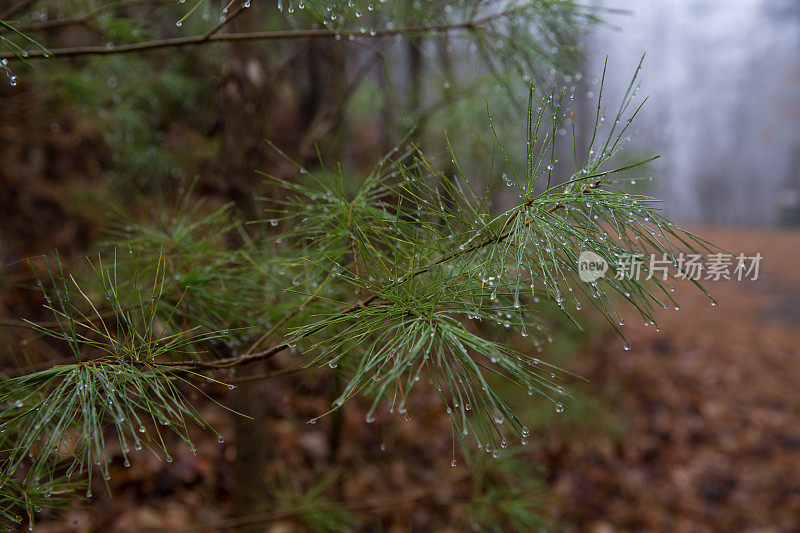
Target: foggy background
<point>724,109</point>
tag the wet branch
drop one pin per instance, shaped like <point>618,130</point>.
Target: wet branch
<point>213,37</point>
<point>251,357</point>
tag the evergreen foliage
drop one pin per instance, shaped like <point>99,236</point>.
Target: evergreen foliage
<point>411,276</point>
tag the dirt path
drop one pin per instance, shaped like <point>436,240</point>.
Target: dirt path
<point>710,409</point>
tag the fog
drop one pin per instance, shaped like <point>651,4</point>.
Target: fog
<point>724,110</point>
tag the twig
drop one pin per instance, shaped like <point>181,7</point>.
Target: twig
<point>257,36</point>
<point>228,19</point>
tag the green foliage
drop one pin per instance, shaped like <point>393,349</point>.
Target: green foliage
<point>208,284</point>
<point>15,42</point>
<point>136,106</point>
<point>14,496</point>
<point>54,422</point>
<point>310,507</point>
<point>410,276</point>
<point>413,275</point>
<point>429,262</point>
<point>504,494</point>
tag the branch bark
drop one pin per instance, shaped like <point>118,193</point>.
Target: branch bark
<point>209,37</point>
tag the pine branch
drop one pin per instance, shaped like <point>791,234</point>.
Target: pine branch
<point>420,249</point>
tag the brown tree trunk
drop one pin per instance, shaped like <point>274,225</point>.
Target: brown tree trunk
<point>243,122</point>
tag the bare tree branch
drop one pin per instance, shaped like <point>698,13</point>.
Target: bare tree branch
<point>210,37</point>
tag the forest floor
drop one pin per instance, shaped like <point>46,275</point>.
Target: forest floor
<point>710,409</point>
<point>696,428</point>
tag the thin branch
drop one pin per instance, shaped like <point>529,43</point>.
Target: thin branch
<point>260,36</point>
<point>227,20</point>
